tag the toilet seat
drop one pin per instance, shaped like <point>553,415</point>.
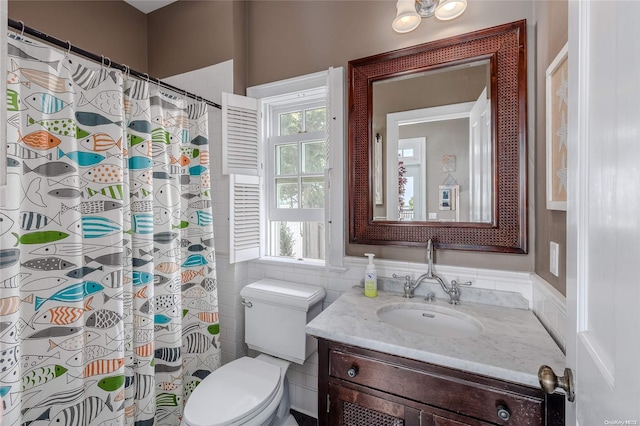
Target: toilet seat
<point>233,393</point>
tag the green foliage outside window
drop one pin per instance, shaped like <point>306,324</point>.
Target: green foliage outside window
<point>286,240</point>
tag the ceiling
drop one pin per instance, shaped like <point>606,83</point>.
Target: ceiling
<point>148,6</point>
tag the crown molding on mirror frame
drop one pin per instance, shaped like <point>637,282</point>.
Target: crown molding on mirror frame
<point>505,47</point>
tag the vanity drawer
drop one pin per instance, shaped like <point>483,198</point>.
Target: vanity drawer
<point>443,388</point>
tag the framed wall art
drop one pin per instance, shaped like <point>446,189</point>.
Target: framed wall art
<point>557,99</point>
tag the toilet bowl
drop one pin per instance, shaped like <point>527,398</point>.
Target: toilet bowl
<point>255,391</point>
<point>248,391</point>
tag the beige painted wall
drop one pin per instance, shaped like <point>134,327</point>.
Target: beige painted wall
<point>551,225</point>
<point>111,28</point>
<point>291,38</point>
<point>189,35</point>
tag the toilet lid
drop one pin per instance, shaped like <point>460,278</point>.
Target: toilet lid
<point>232,392</point>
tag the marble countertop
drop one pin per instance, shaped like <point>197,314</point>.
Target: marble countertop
<point>512,345</point>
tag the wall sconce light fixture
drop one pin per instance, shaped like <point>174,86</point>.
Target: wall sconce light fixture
<point>410,12</point>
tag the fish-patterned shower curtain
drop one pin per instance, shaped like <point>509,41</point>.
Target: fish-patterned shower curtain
<point>108,299</point>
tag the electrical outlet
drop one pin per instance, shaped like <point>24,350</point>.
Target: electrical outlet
<point>554,254</point>
<point>433,216</point>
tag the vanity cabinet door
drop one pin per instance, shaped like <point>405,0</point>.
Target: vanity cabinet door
<point>435,417</point>
<point>349,407</point>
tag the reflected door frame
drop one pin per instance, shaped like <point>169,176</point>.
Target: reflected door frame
<point>404,118</point>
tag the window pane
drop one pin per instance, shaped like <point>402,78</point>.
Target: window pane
<point>313,192</point>
<point>315,119</point>
<point>297,239</point>
<point>287,193</point>
<point>406,152</point>
<point>287,159</point>
<point>290,123</point>
<point>313,157</point>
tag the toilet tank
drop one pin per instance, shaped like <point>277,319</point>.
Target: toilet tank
<point>276,313</point>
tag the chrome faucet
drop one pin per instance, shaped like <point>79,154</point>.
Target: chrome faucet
<point>453,291</point>
<point>429,258</point>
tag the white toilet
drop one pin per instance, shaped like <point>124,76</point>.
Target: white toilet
<point>255,391</point>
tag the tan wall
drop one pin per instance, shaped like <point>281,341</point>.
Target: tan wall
<point>291,38</point>
<point>273,40</point>
<point>191,34</point>
<point>551,225</point>
<point>111,28</point>
<point>240,46</point>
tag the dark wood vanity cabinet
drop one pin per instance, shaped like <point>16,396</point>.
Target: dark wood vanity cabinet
<point>361,387</point>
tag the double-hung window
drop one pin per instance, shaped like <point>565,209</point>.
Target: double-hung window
<point>296,143</point>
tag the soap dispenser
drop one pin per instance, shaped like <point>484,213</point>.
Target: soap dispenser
<point>370,278</point>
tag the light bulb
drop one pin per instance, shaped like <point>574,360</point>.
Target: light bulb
<point>407,19</point>
<point>449,6</point>
<point>450,9</point>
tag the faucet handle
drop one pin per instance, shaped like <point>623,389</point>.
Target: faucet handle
<point>455,283</point>
<point>407,278</point>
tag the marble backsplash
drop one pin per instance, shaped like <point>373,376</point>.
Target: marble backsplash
<point>485,296</point>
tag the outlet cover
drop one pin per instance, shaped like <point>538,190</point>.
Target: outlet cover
<point>554,253</point>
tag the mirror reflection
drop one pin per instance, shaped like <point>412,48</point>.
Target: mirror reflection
<point>433,148</point>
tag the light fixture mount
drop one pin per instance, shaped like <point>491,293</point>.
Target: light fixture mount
<point>410,12</point>
<point>426,8</point>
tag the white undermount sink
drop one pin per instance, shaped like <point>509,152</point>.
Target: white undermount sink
<point>429,320</point>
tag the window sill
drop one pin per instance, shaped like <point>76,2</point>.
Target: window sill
<point>286,261</point>
<point>304,263</point>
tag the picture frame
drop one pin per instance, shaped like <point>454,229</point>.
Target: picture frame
<point>556,130</point>
<point>448,163</point>
<point>447,197</point>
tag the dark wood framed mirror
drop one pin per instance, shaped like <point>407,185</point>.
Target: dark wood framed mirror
<point>493,219</point>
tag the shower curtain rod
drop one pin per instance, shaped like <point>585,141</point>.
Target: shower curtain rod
<point>19,26</point>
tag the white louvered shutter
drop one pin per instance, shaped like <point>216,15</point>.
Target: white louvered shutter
<point>241,152</point>
<point>242,161</point>
<point>244,218</point>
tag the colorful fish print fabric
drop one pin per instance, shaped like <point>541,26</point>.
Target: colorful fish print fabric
<point>108,298</point>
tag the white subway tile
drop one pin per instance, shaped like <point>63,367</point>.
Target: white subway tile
<point>313,358</point>
<point>311,381</point>
<point>308,399</point>
<point>296,377</point>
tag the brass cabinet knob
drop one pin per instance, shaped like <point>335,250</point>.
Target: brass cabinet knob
<point>549,382</point>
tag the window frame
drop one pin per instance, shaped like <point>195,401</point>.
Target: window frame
<point>330,85</point>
